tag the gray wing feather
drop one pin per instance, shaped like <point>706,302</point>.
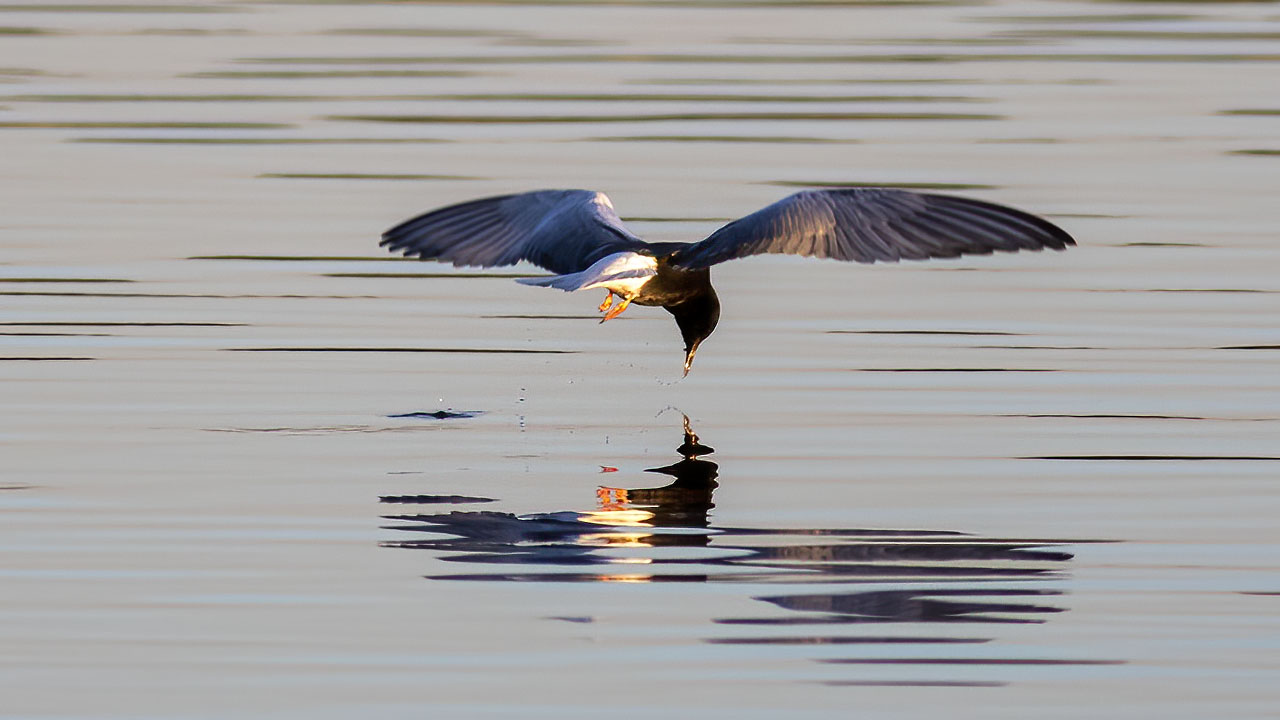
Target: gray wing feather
<point>875,225</point>
<point>564,231</point>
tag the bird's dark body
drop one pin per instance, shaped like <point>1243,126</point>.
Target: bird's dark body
<point>688,296</point>
<point>673,285</point>
<point>577,234</point>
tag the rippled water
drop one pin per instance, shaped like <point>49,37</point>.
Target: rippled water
<point>252,467</point>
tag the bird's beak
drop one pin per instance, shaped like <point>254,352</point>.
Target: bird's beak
<point>688,358</point>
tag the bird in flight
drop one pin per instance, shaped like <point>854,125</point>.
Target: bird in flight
<point>578,235</point>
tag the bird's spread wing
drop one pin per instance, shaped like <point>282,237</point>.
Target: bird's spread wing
<point>874,224</point>
<point>564,231</point>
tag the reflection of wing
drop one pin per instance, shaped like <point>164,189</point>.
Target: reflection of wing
<point>870,224</point>
<point>921,605</point>
<point>563,231</point>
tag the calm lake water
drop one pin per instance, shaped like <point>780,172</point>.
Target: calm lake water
<point>251,468</point>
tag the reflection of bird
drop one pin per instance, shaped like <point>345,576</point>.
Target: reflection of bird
<point>577,234</point>
<point>683,503</point>
<point>919,576</point>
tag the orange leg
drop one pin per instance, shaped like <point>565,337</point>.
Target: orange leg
<point>608,300</point>
<point>617,310</point>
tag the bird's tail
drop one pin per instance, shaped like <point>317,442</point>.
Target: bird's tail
<point>583,280</point>
<point>568,283</point>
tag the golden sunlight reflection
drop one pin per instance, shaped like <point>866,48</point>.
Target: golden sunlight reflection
<point>619,515</point>
<point>618,539</point>
<point>625,578</point>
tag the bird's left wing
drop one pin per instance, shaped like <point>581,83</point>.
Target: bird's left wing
<point>874,224</point>
<point>564,231</point>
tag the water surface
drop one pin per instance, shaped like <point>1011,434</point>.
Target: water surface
<point>253,470</point>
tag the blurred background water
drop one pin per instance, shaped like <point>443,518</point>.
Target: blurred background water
<point>252,467</point>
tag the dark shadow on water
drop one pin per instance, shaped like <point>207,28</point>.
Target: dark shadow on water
<point>874,183</point>
<point>61,323</point>
<point>363,176</point>
<point>655,117</point>
<point>433,499</point>
<point>919,332</point>
<point>304,258</point>
<point>449,414</point>
<point>541,317</point>
<point>481,351</point>
<point>754,139</point>
<point>954,370</point>
<point>436,275</point>
<point>832,582</point>
<point>1179,458</point>
<point>27,358</point>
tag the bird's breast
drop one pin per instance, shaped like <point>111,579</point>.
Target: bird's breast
<point>624,273</point>
<point>627,287</point>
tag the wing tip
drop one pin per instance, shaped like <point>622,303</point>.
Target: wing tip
<point>1050,235</point>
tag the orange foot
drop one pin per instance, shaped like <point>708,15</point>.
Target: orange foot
<point>617,310</point>
<point>608,300</point>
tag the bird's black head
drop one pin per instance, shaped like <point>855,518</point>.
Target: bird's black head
<point>697,318</point>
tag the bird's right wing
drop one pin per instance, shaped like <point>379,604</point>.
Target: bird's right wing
<point>564,231</point>
<point>870,224</point>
